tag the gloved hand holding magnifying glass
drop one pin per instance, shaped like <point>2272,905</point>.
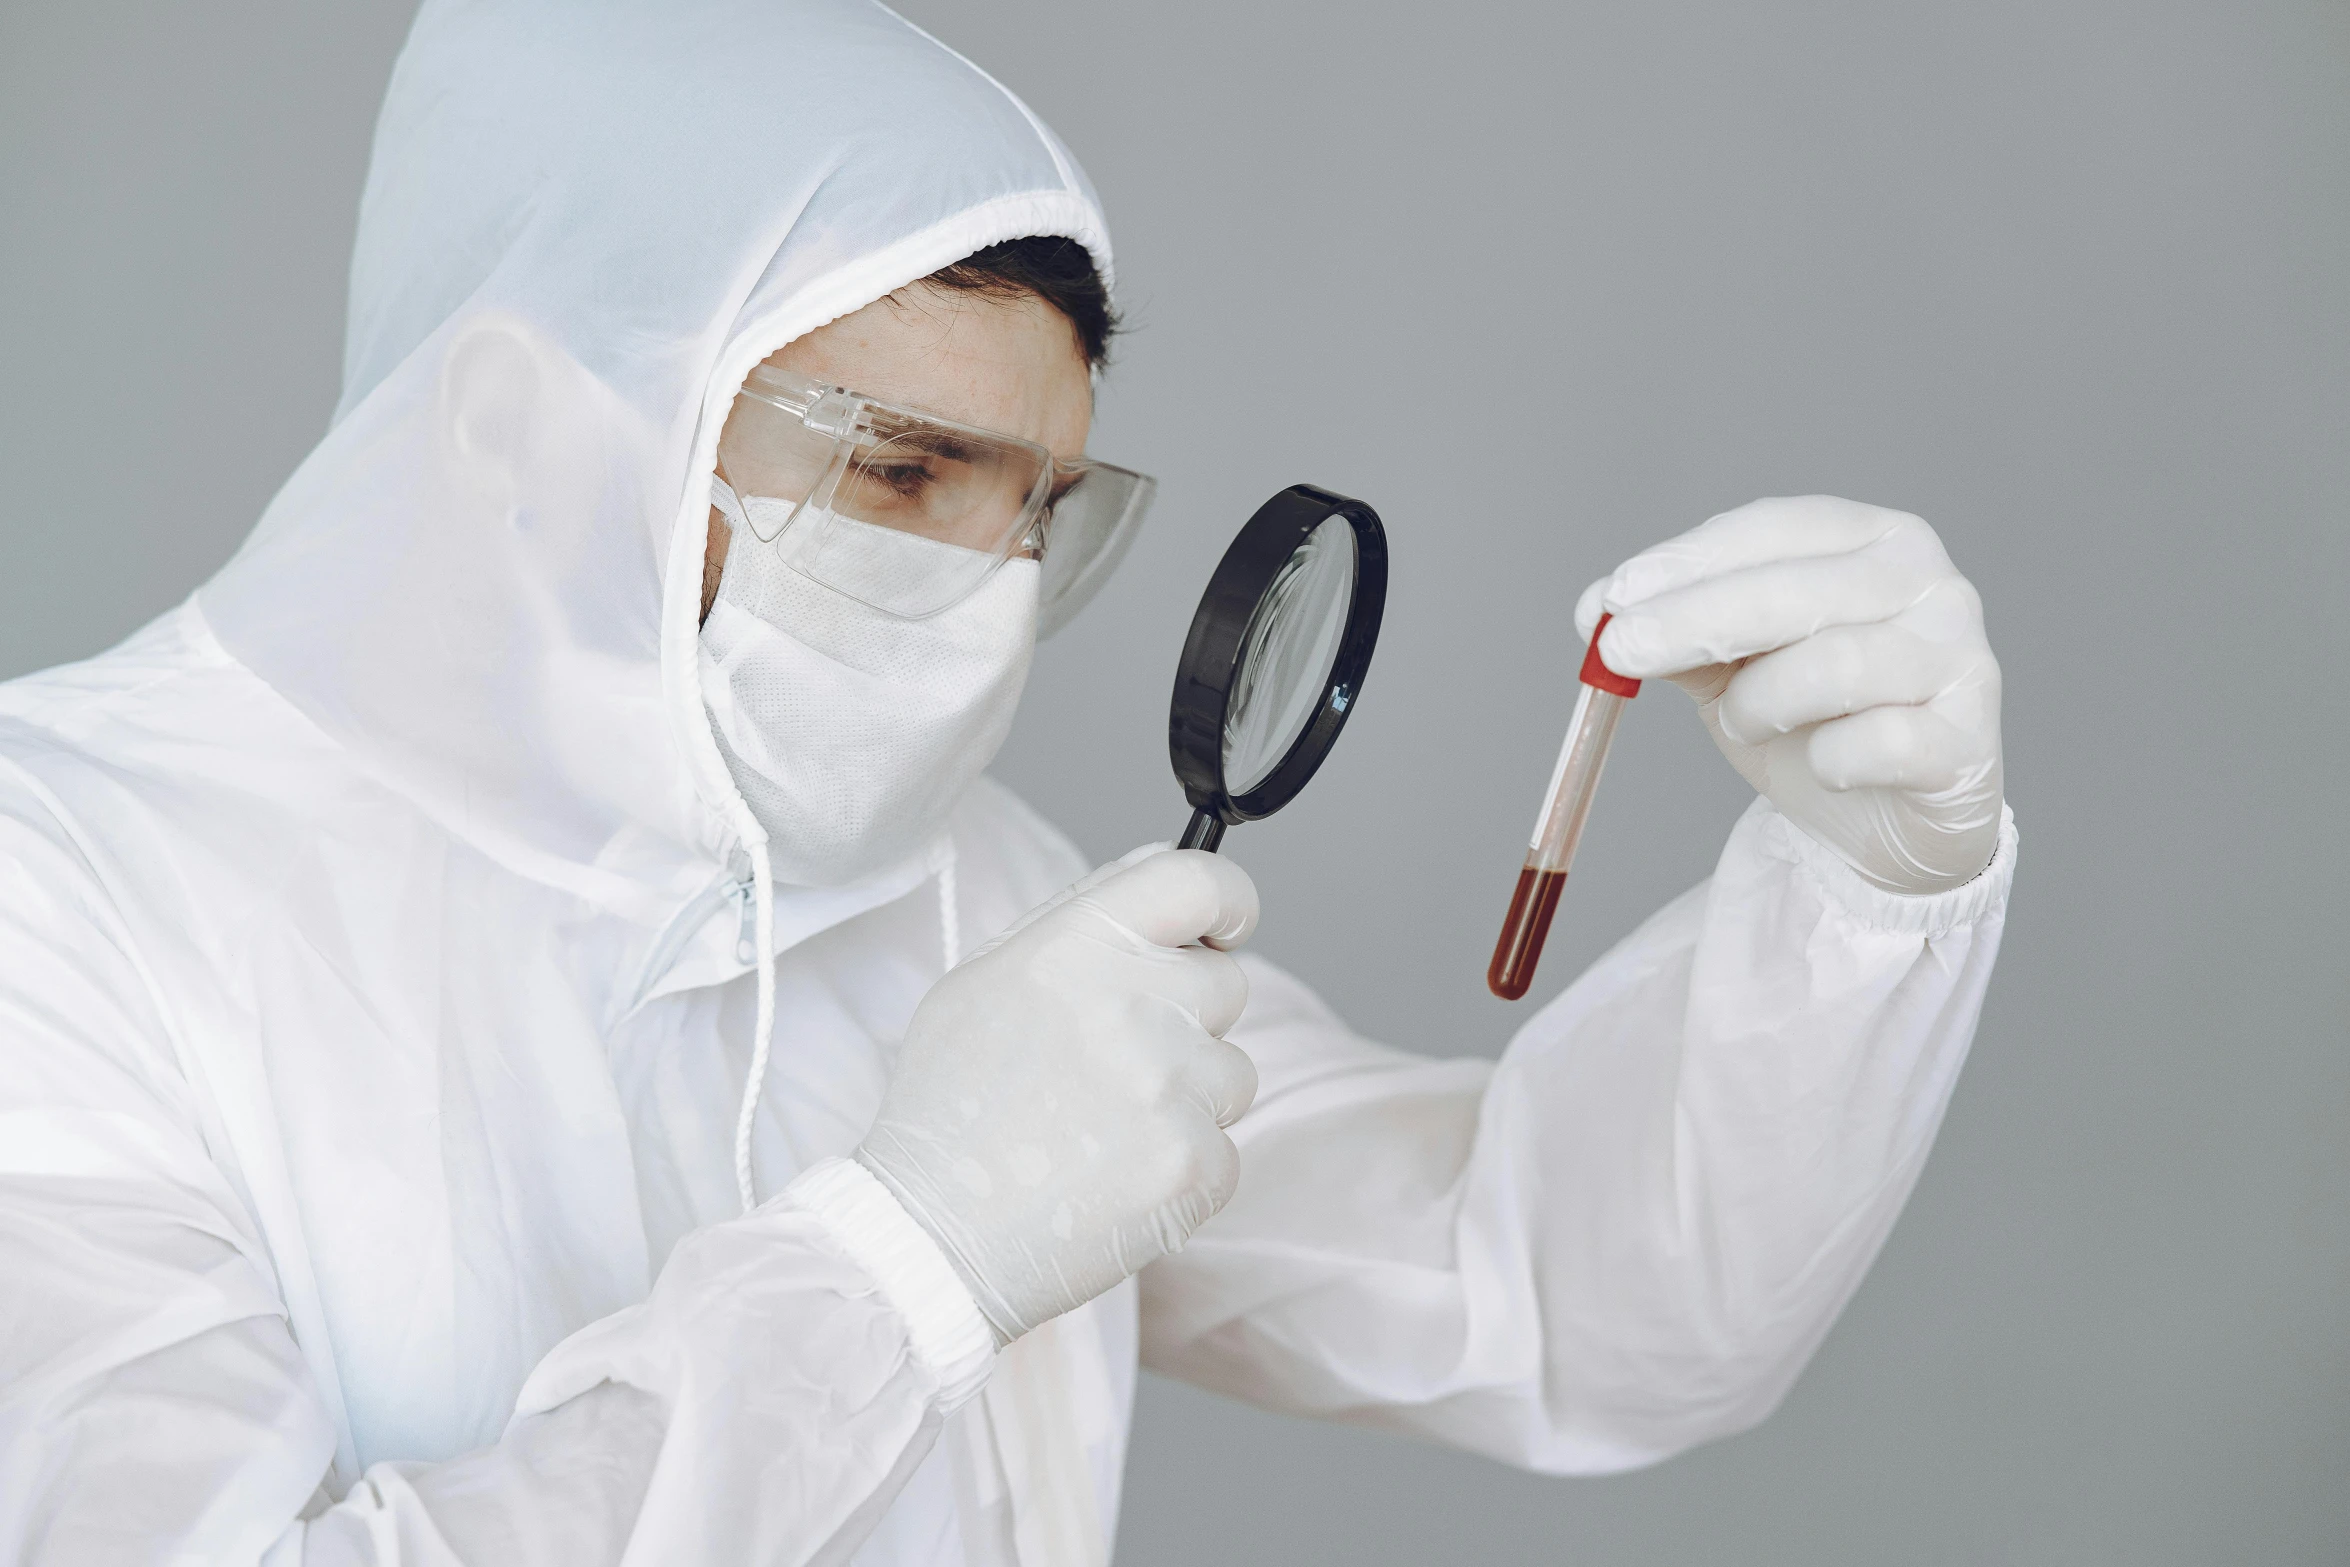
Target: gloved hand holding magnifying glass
<point>1091,1034</point>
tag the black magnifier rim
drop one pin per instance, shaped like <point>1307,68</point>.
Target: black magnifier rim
<point>1211,653</point>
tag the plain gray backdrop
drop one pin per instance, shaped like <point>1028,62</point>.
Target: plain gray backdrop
<point>1546,283</point>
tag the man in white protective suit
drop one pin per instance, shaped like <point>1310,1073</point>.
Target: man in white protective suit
<point>476,1078</point>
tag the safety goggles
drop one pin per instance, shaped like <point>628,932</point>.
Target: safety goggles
<point>911,513</point>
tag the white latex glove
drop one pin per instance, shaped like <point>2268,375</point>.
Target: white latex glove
<point>1055,1121</point>
<point>1839,661</point>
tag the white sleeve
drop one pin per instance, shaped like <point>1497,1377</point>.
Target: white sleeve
<point>1627,1236</point>
<point>765,1402</point>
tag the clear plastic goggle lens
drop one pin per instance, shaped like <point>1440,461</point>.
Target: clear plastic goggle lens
<point>941,485</point>
<point>1089,532</point>
<point>912,514</point>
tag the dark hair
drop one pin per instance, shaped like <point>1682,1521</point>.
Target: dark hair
<point>1058,271</point>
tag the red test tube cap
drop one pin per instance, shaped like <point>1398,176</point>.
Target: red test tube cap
<point>1597,674</point>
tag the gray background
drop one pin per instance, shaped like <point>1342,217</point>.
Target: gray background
<point>1547,283</point>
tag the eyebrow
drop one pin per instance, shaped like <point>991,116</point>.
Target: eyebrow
<point>937,443</point>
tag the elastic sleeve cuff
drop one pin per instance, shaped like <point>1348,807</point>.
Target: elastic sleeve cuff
<point>878,1235</point>
<point>1915,914</point>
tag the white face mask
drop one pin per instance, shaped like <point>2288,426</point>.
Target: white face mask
<point>851,732</point>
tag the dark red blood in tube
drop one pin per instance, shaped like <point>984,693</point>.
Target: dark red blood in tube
<point>1524,931</point>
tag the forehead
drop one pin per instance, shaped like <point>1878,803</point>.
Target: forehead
<point>1010,365</point>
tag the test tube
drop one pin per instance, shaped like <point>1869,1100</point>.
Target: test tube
<point>1560,826</point>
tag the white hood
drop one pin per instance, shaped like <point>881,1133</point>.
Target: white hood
<point>583,224</point>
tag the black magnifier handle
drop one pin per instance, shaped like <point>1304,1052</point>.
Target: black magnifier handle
<point>1205,830</point>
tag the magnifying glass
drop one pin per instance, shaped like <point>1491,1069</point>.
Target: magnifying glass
<point>1275,658</point>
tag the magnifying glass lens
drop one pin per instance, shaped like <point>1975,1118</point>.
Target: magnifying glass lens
<point>1287,653</point>
<point>1275,658</point>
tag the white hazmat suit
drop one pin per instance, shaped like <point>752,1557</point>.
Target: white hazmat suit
<point>374,991</point>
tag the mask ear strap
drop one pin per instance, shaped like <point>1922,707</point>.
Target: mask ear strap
<point>729,504</point>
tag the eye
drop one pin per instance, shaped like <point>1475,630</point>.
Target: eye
<point>904,478</point>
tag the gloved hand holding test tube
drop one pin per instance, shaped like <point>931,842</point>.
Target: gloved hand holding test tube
<point>1560,826</point>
